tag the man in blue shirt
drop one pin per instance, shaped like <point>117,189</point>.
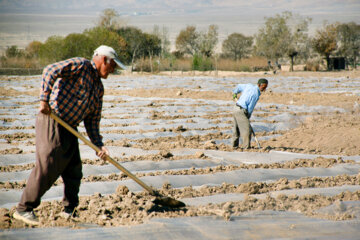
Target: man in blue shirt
<point>244,107</point>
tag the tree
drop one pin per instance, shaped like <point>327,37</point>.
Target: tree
<point>237,46</point>
<point>110,19</point>
<point>273,40</point>
<point>133,38</point>
<point>108,24</point>
<point>299,44</point>
<point>151,46</point>
<point>349,41</point>
<point>33,49</point>
<point>77,45</point>
<point>13,51</point>
<point>163,35</point>
<point>325,41</point>
<point>208,40</point>
<point>187,41</point>
<point>101,36</point>
<point>284,35</point>
<point>52,50</point>
<point>191,42</point>
<point>139,44</point>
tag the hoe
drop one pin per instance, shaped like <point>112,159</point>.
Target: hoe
<point>159,199</point>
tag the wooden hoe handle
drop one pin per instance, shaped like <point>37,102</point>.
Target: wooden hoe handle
<point>97,149</point>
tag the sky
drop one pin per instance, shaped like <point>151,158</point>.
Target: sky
<point>22,21</point>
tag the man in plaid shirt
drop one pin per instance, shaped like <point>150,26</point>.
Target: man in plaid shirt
<point>73,90</point>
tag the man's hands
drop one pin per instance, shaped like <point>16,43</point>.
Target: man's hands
<point>103,153</point>
<point>45,107</point>
<point>234,96</point>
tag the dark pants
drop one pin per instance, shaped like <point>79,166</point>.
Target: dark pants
<point>241,128</point>
<point>57,154</point>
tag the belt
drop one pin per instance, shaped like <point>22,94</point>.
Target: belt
<point>239,106</point>
<point>244,110</point>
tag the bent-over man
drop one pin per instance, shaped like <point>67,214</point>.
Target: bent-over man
<point>243,109</point>
<point>73,90</point>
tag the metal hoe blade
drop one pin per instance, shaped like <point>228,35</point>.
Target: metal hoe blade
<point>168,202</point>
<point>252,130</point>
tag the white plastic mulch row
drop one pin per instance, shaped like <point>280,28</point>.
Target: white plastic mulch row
<point>10,198</point>
<point>137,113</point>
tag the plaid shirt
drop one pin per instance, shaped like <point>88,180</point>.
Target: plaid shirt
<point>74,91</point>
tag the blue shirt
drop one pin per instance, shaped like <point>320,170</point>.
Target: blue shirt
<point>249,96</point>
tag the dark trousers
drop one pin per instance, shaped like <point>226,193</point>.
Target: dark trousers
<point>57,154</point>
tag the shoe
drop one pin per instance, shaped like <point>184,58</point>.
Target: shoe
<point>68,213</point>
<point>28,217</point>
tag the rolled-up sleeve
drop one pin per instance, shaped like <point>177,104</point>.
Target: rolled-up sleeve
<point>239,88</point>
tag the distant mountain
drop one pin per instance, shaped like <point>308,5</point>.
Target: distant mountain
<point>148,7</point>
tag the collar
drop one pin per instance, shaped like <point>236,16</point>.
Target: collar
<point>257,87</point>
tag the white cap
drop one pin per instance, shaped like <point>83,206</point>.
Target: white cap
<point>110,53</point>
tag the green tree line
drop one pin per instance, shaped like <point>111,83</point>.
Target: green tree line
<point>282,38</point>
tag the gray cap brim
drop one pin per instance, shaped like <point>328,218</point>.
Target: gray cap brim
<point>119,63</point>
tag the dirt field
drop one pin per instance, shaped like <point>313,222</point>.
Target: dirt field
<point>314,115</point>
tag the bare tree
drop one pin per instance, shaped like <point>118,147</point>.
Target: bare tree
<point>237,46</point>
<point>325,41</point>
<point>110,19</point>
<point>349,41</point>
<point>284,35</point>
<point>163,35</point>
<point>33,49</point>
<point>187,41</point>
<point>207,41</point>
